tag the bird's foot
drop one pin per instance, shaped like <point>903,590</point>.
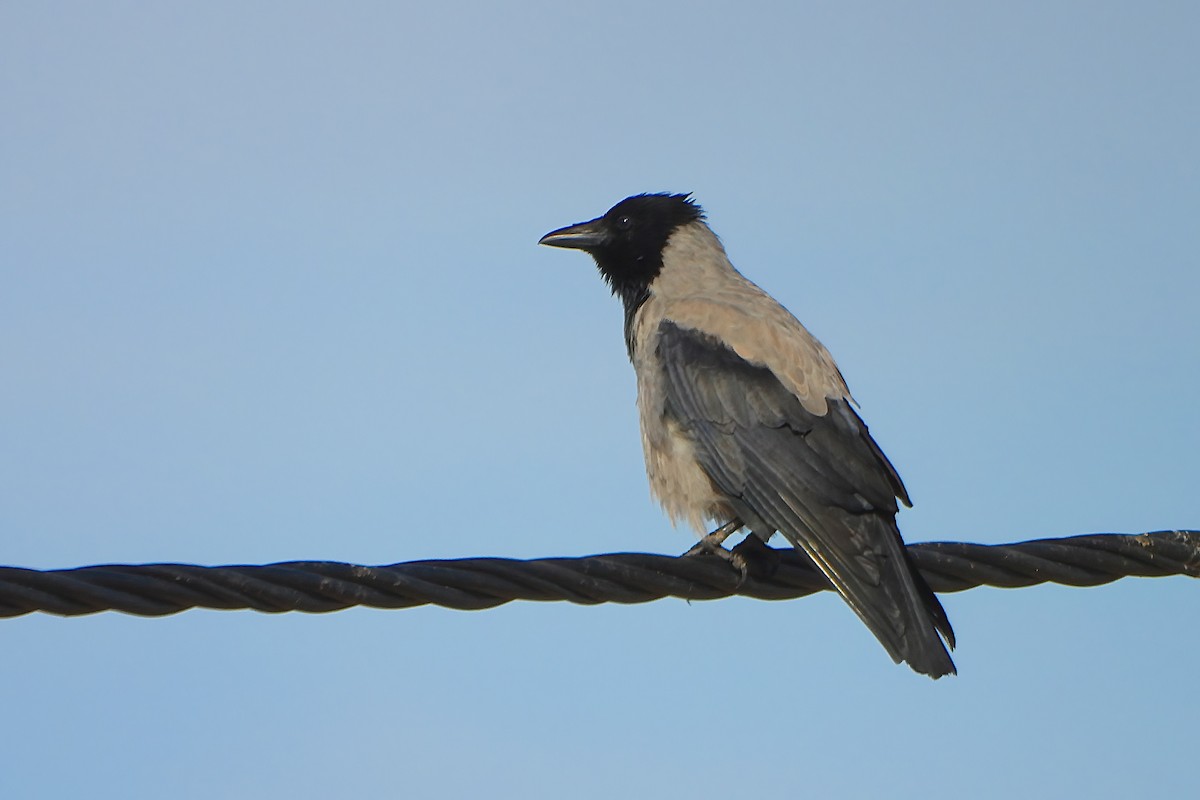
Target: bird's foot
<point>760,560</point>
<point>714,544</point>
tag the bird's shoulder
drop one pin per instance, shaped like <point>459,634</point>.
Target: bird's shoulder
<point>753,325</point>
<point>734,407</point>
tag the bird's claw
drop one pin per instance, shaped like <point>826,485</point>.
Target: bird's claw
<point>714,544</point>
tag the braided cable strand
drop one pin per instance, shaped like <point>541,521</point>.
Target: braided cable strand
<point>477,583</point>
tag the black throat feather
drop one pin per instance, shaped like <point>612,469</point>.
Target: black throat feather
<point>631,258</point>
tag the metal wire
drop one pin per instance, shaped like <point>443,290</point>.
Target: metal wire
<point>476,583</point>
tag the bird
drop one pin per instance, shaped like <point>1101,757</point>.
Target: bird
<point>747,421</point>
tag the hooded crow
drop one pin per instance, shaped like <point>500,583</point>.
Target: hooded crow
<point>747,422</point>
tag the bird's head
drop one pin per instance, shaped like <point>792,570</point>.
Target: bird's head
<point>628,241</point>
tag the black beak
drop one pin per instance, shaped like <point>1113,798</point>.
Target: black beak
<point>584,236</point>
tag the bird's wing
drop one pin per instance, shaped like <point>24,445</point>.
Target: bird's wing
<point>820,480</point>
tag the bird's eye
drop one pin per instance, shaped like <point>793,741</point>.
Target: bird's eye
<point>624,222</point>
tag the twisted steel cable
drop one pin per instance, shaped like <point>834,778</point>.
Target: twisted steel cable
<point>476,583</point>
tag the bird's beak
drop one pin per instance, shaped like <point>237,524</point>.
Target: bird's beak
<point>584,236</point>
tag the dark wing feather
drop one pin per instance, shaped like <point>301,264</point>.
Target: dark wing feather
<point>820,480</point>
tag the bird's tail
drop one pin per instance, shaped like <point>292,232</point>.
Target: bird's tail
<point>887,592</point>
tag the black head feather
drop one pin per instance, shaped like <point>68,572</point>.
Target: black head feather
<point>638,228</point>
<point>628,241</point>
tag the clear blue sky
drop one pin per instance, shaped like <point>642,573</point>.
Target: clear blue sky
<point>271,291</point>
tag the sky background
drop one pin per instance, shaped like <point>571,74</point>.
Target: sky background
<point>270,290</point>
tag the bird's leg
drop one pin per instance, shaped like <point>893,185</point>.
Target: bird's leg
<point>713,543</point>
